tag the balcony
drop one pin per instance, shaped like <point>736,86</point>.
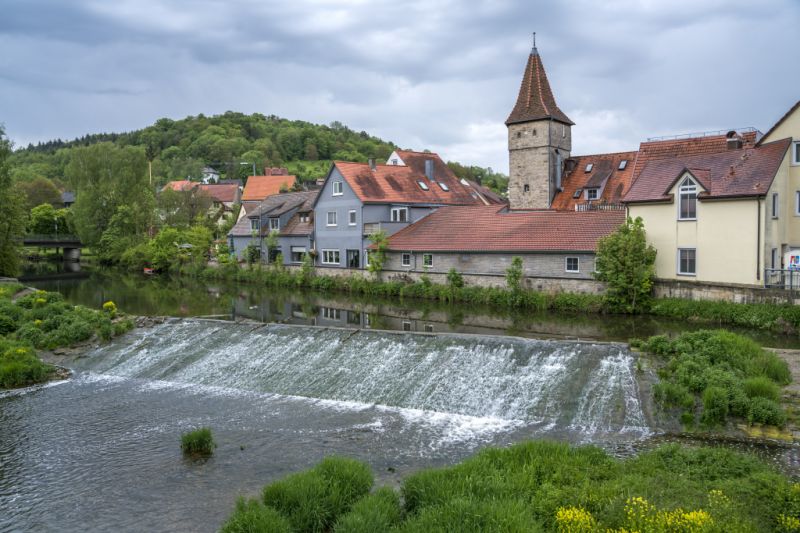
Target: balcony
<point>592,206</point>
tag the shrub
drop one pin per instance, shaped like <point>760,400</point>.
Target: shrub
<point>454,279</point>
<point>464,514</point>
<point>19,366</point>
<point>762,387</point>
<point>379,511</point>
<point>7,324</point>
<point>673,395</point>
<point>765,411</point>
<point>251,516</point>
<point>198,442</point>
<point>313,500</point>
<point>715,406</point>
<point>110,308</point>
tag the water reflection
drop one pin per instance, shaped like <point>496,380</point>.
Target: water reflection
<point>182,297</point>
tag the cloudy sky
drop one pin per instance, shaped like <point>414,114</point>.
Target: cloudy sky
<point>434,74</point>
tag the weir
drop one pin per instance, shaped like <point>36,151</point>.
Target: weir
<point>584,388</point>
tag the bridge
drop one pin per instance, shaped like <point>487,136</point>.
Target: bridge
<point>70,243</point>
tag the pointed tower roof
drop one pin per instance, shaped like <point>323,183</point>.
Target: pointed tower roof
<point>535,100</point>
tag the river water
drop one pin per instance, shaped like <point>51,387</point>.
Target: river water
<point>101,452</point>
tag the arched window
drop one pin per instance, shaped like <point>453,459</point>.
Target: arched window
<point>687,199</point>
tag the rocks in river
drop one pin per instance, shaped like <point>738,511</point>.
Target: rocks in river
<point>149,321</point>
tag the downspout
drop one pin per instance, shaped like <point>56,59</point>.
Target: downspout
<point>758,239</point>
<point>549,170</point>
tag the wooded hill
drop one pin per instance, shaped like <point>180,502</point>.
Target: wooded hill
<point>229,143</point>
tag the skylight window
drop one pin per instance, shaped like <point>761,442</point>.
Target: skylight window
<point>589,167</point>
<point>423,185</point>
<point>444,186</point>
<point>577,193</point>
<point>623,164</point>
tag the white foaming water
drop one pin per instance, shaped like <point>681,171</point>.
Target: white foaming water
<point>474,384</point>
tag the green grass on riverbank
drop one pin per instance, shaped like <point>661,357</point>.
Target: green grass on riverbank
<point>42,320</point>
<point>536,486</point>
<point>784,318</point>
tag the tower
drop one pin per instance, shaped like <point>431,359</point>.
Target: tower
<point>539,140</point>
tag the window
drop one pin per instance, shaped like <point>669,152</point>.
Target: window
<point>337,188</point>
<point>274,224</point>
<point>796,153</point>
<point>353,259</point>
<point>775,205</point>
<point>591,194</point>
<point>399,214</point>
<point>687,261</point>
<point>406,325</point>
<point>577,193</point>
<point>622,164</point>
<point>394,161</point>
<point>423,185</point>
<point>687,200</point>
<point>444,186</point>
<point>797,203</point>
<point>526,188</point>
<point>366,258</point>
<point>304,217</point>
<point>774,258</point>
<point>331,314</point>
<point>298,254</point>
<point>330,257</point>
<point>405,260</point>
<point>589,167</point>
<point>427,260</point>
<point>254,223</point>
<point>573,264</point>
<point>563,131</point>
<point>351,217</point>
<point>428,328</point>
<point>331,218</point>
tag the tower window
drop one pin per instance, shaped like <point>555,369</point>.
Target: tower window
<point>563,131</point>
<point>589,167</point>
<point>534,132</point>
<point>526,188</point>
<point>519,134</point>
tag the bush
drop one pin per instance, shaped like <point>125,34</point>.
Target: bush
<point>765,411</point>
<point>110,308</point>
<point>19,366</point>
<point>198,442</point>
<point>454,279</point>
<point>473,515</point>
<point>762,387</point>
<point>251,516</point>
<point>380,511</point>
<point>715,406</point>
<point>315,499</point>
<point>673,395</point>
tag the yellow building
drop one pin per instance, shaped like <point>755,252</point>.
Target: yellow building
<point>722,209</point>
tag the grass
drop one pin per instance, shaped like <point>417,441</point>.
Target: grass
<point>198,442</point>
<point>711,375</point>
<point>43,320</point>
<point>539,486</point>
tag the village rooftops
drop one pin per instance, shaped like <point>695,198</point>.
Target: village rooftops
<point>495,229</point>
<point>277,205</point>
<point>609,175</point>
<point>411,183</point>
<point>221,192</point>
<point>732,173</point>
<point>259,187</point>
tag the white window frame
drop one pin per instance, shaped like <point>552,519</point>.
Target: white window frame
<point>329,255</point>
<point>577,262</point>
<point>797,203</point>
<point>274,224</point>
<point>304,217</point>
<point>688,189</point>
<point>395,214</point>
<point>338,188</point>
<point>328,219</point>
<point>796,153</point>
<point>678,266</point>
<point>366,257</point>
<point>776,205</point>
<point>351,218</point>
<point>405,260</point>
<point>595,191</point>
<point>254,224</point>
<point>427,258</point>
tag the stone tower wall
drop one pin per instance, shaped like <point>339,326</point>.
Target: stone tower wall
<point>532,161</point>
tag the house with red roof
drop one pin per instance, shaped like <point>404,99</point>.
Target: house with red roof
<point>258,188</point>
<point>359,199</point>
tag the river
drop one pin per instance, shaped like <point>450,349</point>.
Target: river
<point>313,375</point>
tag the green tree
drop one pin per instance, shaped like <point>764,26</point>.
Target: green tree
<point>40,191</point>
<point>46,220</point>
<point>626,263</point>
<point>12,214</point>
<point>377,256</point>
<point>105,177</point>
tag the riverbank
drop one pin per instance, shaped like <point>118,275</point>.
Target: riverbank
<point>777,318</point>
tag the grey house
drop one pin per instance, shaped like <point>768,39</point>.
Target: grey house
<point>357,200</point>
<point>290,214</point>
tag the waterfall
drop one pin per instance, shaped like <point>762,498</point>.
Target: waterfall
<point>586,388</point>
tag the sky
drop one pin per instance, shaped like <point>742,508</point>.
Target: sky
<point>426,74</point>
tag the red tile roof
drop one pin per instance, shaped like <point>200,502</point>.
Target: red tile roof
<point>495,229</point>
<point>400,184</point>
<point>180,185</point>
<point>728,174</point>
<point>535,100</point>
<point>259,187</point>
<point>605,173</point>
<point>225,193</point>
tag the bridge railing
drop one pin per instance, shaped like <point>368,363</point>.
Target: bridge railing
<point>51,237</point>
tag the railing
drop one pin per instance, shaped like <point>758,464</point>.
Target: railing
<point>43,238</point>
<point>599,207</point>
<point>776,278</point>
<point>692,135</point>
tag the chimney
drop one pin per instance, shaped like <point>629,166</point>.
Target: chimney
<point>734,140</point>
<point>372,163</point>
<point>429,169</point>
